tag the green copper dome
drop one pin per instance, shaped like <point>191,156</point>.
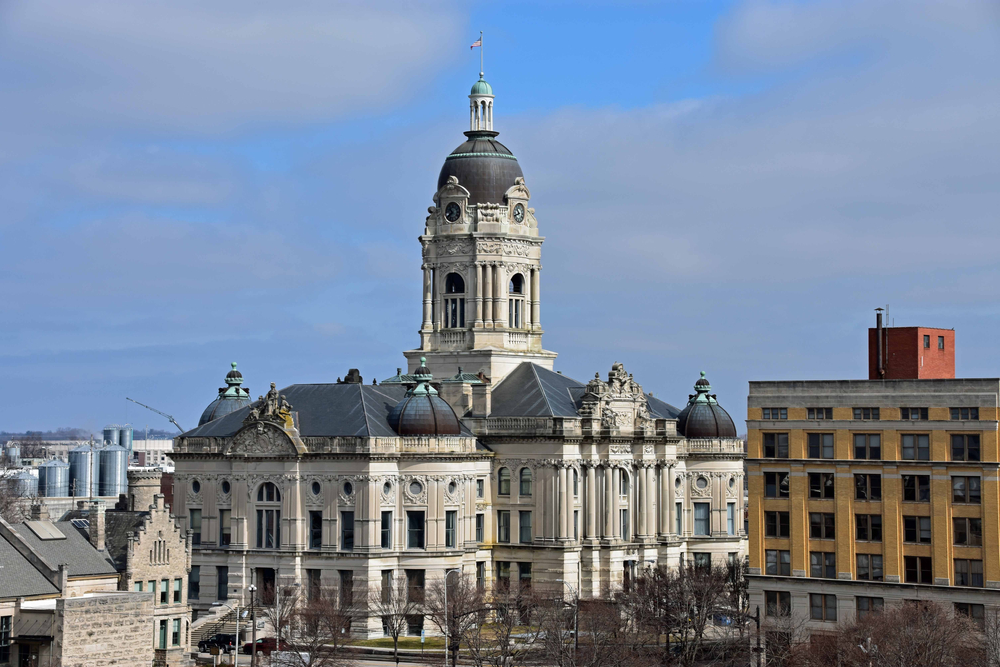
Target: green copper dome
<point>481,87</point>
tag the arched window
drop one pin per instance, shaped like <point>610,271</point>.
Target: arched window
<point>503,476</point>
<point>517,284</point>
<point>624,474</point>
<point>525,489</point>
<point>268,516</point>
<point>515,302</point>
<point>576,483</point>
<point>454,307</point>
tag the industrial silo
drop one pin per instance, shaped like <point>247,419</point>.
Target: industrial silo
<point>53,479</point>
<point>125,439</point>
<point>26,484</point>
<point>114,471</point>
<point>13,453</point>
<point>111,434</point>
<point>84,470</point>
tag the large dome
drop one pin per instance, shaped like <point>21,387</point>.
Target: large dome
<point>483,166</point>
<point>230,399</point>
<point>704,417</point>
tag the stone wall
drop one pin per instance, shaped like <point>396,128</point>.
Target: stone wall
<point>104,629</point>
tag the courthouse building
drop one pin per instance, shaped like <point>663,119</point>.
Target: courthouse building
<point>480,457</point>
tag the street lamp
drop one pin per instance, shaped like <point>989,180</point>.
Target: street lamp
<point>576,617</point>
<point>447,619</point>
<point>253,619</point>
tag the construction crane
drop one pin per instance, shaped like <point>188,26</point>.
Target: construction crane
<point>172,420</point>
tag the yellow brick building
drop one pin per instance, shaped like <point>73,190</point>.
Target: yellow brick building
<point>864,493</point>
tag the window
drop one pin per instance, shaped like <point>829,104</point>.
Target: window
<point>415,625</point>
<point>965,490</point>
<point>821,445</point>
<point>454,307</point>
<point>525,487</point>
<point>576,524</point>
<point>515,306</point>
<point>503,574</point>
<point>964,413</point>
<point>175,633</point>
<point>917,570</point>
<point>913,413</point>
<point>152,587</point>
<point>777,603</point>
<point>776,524</point>
<point>917,488</point>
<point>867,446</point>
<point>450,528</point>
<point>776,445</point>
<point>347,531</point>
<point>414,530</point>
<point>964,447</point>
<point>917,529</point>
<point>821,485</point>
<point>268,493</point>
<point>822,607</point>
<point>385,594</point>
<point>225,527</point>
<point>927,341</point>
<point>679,518</point>
<point>968,531</point>
<point>480,488</point>
<point>6,623</point>
<point>819,413</point>
<point>137,587</point>
<point>196,527</point>
<point>731,518</point>
<point>222,582</point>
<point>823,564</point>
<point>775,413</point>
<point>503,526</point>
<point>868,527</point>
<point>163,633</point>
<point>821,525</point>
<point>268,518</point>
<point>968,572</point>
<point>867,605</point>
<point>940,342</point>
<point>868,487</point>
<point>386,530</point>
<point>576,483</point>
<point>625,527</point>
<point>702,519</point>
<point>866,413</point>
<point>869,567</point>
<point>503,477</point>
<point>164,591</point>
<point>480,527</point>
<point>481,575</point>
<point>315,529</point>
<point>776,485</point>
<point>916,447</point>
<point>177,589</point>
<point>702,560</point>
<point>346,587</point>
<point>976,612</point>
<point>624,482</point>
<point>524,576</point>
<point>415,586</point>
<point>778,562</point>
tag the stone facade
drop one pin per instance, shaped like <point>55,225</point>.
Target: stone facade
<point>103,630</point>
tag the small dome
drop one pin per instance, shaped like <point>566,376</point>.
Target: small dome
<point>481,87</point>
<point>422,411</point>
<point>704,417</point>
<point>234,376</point>
<point>231,398</point>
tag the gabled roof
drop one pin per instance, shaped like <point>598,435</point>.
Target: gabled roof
<point>117,526</point>
<point>18,577</point>
<point>76,551</point>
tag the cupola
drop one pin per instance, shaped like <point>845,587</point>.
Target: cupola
<point>704,418</point>
<point>231,398</point>
<point>422,411</point>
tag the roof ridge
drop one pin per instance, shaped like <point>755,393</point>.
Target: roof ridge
<point>545,396</point>
<point>364,409</point>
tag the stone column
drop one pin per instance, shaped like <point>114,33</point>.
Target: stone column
<point>428,297</point>
<point>526,315</point>
<point>616,503</point>
<point>535,304</point>
<point>488,295</point>
<point>479,296</point>
<point>562,497</point>
<point>639,515</point>
<point>499,290</point>
<point>540,515</point>
<point>650,530</point>
<point>591,528</point>
<point>609,507</point>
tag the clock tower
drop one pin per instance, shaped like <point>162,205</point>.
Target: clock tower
<point>481,260</point>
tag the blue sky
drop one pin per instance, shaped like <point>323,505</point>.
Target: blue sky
<point>729,187</point>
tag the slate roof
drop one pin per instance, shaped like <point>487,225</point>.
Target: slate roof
<point>18,577</point>
<point>76,550</point>
<point>327,410</point>
<point>117,525</point>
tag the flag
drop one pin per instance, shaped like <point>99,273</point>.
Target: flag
<point>478,42</point>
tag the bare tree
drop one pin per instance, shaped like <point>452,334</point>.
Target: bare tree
<point>15,506</point>
<point>281,608</point>
<point>509,637</point>
<point>323,627</point>
<point>455,609</point>
<point>395,604</point>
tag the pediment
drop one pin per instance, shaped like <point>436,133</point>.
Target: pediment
<point>264,439</point>
<point>518,191</point>
<point>451,190</point>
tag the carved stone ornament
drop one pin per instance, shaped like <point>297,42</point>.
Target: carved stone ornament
<point>732,485</point>
<point>451,190</point>
<point>347,499</point>
<point>519,190</point>
<point>491,212</point>
<point>388,491</point>
<point>620,449</point>
<point>194,497</point>
<point>648,449</point>
<point>453,496</point>
<point>262,439</point>
<point>701,492</point>
<point>610,418</point>
<point>221,497</point>
<point>419,498</point>
<point>271,407</point>
<point>454,246</point>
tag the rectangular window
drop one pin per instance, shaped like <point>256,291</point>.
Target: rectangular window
<point>314,584</point>
<point>868,487</point>
<point>225,527</point>
<point>679,518</point>
<point>822,607</point>
<point>454,313</point>
<point>916,447</point>
<point>175,632</point>
<point>702,515</point>
<point>576,524</point>
<point>775,484</point>
<point>866,414</point>
<point>480,488</point>
<point>869,567</point>
<point>819,413</point>
<point>731,518</point>
<point>222,582</point>
<point>196,526</point>
<point>503,574</point>
<point>776,445</point>
<point>940,342</point>
<point>702,560</point>
<point>137,587</point>
<point>503,526</point>
<point>315,529</point>
<point>503,482</point>
<point>386,530</point>
<point>868,527</point>
<point>480,527</point>
<point>917,529</point>
<point>624,525</point>
<point>917,570</point>
<point>821,525</point>
<point>414,530</point>
<point>347,531</point>
<point>6,625</point>
<point>524,576</point>
<point>965,490</point>
<point>775,413</point>
<point>481,575</point>
<point>177,589</point>
<point>868,605</point>
<point>776,524</point>
<point>777,603</point>
<point>821,445</point>
<point>968,531</point>
<point>415,625</point>
<point>268,529</point>
<point>917,488</point>
<point>968,572</point>
<point>913,413</point>
<point>450,529</point>
<point>822,564</point>
<point>152,587</point>
<point>965,413</point>
<point>163,634</point>
<point>821,484</point>
<point>927,341</point>
<point>868,446</point>
<point>164,591</point>
<point>964,447</point>
<point>976,612</point>
<point>778,562</point>
<point>346,587</point>
<point>385,593</point>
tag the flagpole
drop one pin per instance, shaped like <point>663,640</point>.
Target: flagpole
<point>480,53</point>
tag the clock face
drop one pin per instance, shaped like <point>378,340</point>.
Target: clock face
<point>452,212</point>
<point>519,213</point>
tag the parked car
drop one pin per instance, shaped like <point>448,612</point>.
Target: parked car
<point>265,645</point>
<point>225,643</point>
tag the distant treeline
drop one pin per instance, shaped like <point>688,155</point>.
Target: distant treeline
<point>138,432</point>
